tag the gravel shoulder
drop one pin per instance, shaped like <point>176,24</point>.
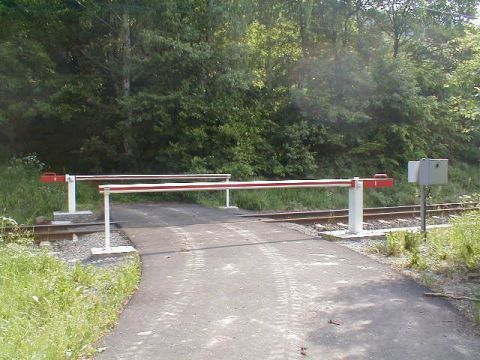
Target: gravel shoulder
<point>78,250</point>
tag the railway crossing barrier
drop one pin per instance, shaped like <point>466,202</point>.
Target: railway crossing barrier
<point>355,186</point>
<point>72,179</point>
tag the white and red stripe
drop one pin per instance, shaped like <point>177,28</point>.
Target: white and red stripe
<point>169,187</point>
<point>355,186</point>
<point>238,185</point>
<point>151,177</point>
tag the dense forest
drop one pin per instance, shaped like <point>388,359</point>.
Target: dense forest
<point>276,89</point>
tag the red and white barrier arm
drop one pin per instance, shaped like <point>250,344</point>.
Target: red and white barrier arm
<point>237,185</point>
<point>354,185</point>
<point>151,177</point>
<point>72,179</point>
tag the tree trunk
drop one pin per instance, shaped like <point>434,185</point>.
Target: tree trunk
<point>304,20</point>
<point>396,46</point>
<point>210,21</point>
<point>128,140</point>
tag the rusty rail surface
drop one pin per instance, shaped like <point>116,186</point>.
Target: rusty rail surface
<point>341,215</point>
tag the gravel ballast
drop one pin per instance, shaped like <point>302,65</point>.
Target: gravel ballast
<point>78,250</point>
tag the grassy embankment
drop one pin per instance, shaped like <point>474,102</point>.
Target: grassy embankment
<point>50,310</point>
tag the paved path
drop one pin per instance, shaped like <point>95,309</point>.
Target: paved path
<point>216,287</point>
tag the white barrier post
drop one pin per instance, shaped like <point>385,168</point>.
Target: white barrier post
<point>355,207</point>
<point>109,250</point>
<point>106,197</point>
<point>227,195</point>
<point>72,205</point>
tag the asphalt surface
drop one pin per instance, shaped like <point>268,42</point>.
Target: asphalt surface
<point>218,287</point>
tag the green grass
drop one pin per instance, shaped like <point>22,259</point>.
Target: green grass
<point>445,250</point>
<point>52,311</point>
<point>451,252</point>
<point>399,242</point>
<point>457,247</point>
<point>279,199</point>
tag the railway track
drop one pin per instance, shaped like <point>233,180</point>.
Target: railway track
<point>53,232</point>
<point>332,216</point>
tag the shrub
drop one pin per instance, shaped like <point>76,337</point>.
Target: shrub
<point>400,241</point>
<point>412,241</point>
<point>22,196</point>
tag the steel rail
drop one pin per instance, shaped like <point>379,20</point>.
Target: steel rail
<point>328,216</point>
<point>57,231</point>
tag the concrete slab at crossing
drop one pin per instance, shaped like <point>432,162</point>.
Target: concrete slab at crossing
<point>215,286</point>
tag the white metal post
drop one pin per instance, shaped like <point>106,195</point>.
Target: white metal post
<point>227,195</point>
<point>106,197</point>
<point>72,204</point>
<point>355,207</point>
<point>109,250</point>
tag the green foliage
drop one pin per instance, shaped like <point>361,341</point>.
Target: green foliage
<point>264,89</point>
<point>399,242</point>
<point>466,240</point>
<point>445,250</point>
<point>51,311</point>
<point>394,244</point>
<point>22,196</point>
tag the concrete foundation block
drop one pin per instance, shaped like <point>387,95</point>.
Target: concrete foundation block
<point>112,251</point>
<point>78,216</point>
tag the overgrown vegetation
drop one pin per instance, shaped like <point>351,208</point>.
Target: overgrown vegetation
<point>52,311</point>
<point>23,197</point>
<point>398,243</point>
<point>445,249</point>
<point>262,89</point>
<point>457,247</point>
<point>451,251</point>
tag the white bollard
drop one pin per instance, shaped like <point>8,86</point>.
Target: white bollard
<point>72,203</point>
<point>355,207</point>
<point>106,197</point>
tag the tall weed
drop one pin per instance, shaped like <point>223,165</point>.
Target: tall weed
<point>466,240</point>
<point>399,242</point>
<point>51,311</point>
